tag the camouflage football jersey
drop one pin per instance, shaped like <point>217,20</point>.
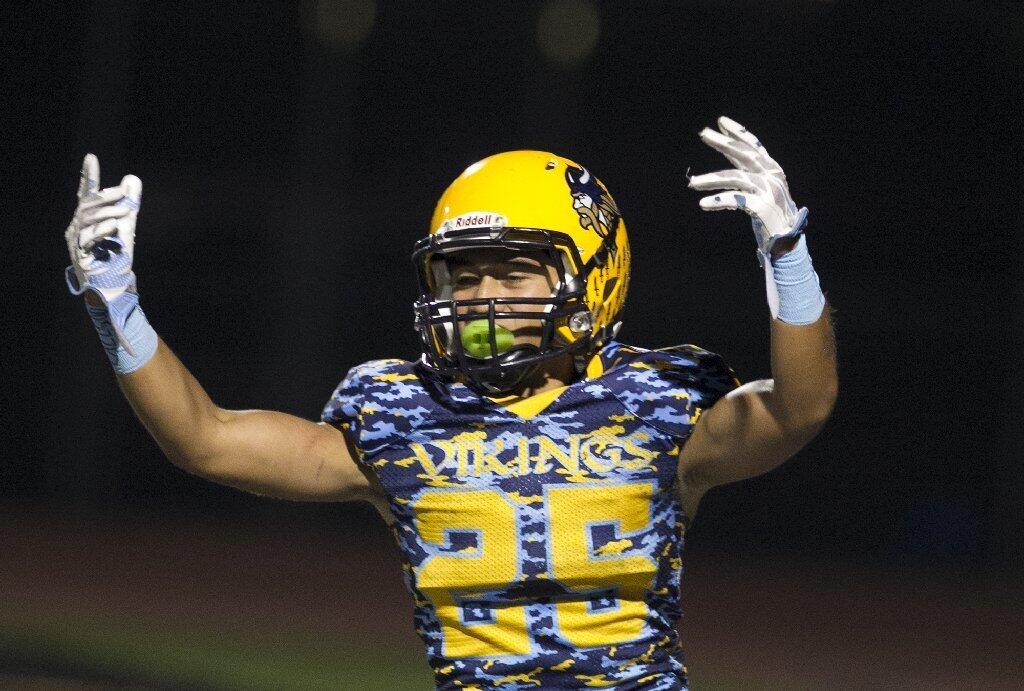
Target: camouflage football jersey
<point>541,538</point>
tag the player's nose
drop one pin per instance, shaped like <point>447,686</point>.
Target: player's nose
<point>487,287</point>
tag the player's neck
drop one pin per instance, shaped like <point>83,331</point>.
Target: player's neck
<point>556,374</point>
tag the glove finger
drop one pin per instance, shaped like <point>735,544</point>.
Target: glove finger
<point>87,237</point>
<point>737,131</point>
<point>725,200</point>
<point>738,136</point>
<point>102,213</point>
<point>114,201</point>
<point>724,179</point>
<point>734,129</point>
<point>132,187</point>
<point>89,179</point>
<point>110,195</point>
<point>738,153</point>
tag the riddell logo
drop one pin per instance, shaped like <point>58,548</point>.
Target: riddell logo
<point>474,219</point>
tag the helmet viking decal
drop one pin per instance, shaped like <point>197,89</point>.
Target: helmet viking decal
<point>596,208</point>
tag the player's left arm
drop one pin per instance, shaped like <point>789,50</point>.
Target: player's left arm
<point>759,425</point>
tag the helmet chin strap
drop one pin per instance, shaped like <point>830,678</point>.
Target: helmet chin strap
<point>506,375</point>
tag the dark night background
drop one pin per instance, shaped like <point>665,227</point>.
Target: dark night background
<point>290,157</point>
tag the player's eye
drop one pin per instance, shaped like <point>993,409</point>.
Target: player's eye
<point>464,280</point>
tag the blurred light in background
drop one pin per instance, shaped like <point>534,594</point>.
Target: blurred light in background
<point>567,31</point>
<point>342,23</point>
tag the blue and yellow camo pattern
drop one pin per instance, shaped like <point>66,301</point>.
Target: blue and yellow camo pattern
<point>542,546</point>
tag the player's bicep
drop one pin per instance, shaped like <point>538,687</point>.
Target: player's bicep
<point>739,437</point>
<point>279,455</point>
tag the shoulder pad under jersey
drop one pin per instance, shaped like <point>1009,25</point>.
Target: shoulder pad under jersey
<point>668,388</point>
<point>372,401</point>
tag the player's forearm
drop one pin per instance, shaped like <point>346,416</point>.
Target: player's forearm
<point>803,345</point>
<point>804,372</point>
<point>174,408</point>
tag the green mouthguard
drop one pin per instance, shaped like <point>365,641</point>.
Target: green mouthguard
<point>476,338</point>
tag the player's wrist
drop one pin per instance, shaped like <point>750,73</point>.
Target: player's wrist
<point>800,300</point>
<point>126,335</point>
<point>783,246</point>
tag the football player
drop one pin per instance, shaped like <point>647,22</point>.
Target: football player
<point>538,474</point>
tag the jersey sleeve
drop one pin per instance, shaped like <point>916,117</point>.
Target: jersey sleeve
<point>670,388</point>
<point>352,400</point>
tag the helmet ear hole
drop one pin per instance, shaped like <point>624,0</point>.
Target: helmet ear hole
<point>581,322</point>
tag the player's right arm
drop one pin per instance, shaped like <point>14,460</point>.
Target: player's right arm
<point>264,452</point>
<point>259,451</point>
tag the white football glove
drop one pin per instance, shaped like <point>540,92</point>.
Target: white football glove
<point>101,242</point>
<point>757,186</point>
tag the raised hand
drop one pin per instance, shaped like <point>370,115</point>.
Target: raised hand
<point>101,243</point>
<point>757,185</point>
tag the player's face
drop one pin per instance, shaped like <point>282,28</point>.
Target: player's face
<point>500,273</point>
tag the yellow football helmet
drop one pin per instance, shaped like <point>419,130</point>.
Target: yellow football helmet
<point>526,201</point>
